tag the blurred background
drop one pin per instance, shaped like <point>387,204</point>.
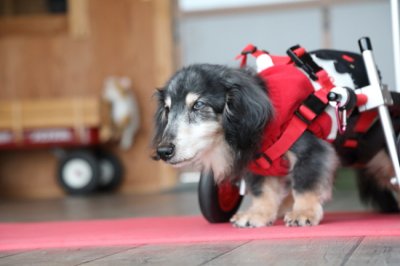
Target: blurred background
<point>66,66</point>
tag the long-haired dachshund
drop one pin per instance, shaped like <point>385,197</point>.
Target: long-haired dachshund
<point>214,116</point>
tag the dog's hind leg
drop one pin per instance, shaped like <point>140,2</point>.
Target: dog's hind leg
<point>267,193</point>
<point>374,184</point>
<point>312,178</point>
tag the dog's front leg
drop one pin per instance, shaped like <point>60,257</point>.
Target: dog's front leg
<point>307,210</point>
<point>265,204</point>
<point>312,175</point>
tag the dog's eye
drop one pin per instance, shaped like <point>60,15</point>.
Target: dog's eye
<point>198,105</point>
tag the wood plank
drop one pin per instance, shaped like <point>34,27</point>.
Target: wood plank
<point>100,206</point>
<point>46,113</point>
<point>33,25</point>
<point>78,18</point>
<point>293,252</point>
<point>376,251</point>
<point>4,254</point>
<point>55,257</point>
<point>182,254</point>
<point>163,41</point>
<point>164,64</point>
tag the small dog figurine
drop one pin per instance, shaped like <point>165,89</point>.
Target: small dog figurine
<point>214,117</point>
<point>123,110</point>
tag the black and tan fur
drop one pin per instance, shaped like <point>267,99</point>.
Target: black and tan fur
<point>213,117</point>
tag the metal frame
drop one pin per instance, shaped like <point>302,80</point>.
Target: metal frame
<point>379,97</point>
<point>394,6</point>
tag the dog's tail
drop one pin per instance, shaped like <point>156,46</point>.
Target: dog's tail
<point>373,193</point>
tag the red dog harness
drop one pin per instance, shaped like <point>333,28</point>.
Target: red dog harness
<point>297,104</point>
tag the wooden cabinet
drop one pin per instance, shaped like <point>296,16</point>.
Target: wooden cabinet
<point>130,38</point>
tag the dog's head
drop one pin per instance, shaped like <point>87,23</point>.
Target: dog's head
<point>211,115</point>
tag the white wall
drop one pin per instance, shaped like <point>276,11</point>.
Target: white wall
<point>201,5</point>
<point>219,37</point>
<point>351,21</point>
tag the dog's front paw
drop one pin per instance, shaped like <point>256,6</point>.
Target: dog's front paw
<point>307,217</point>
<point>252,218</point>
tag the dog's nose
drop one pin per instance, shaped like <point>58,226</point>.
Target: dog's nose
<point>166,151</point>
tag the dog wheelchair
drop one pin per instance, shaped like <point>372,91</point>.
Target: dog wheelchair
<point>356,112</point>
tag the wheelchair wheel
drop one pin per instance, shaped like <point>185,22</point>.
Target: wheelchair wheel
<point>218,203</point>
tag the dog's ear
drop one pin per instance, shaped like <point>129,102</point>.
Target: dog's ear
<point>160,122</point>
<point>247,111</point>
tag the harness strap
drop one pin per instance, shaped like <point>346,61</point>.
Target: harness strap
<point>362,125</point>
<point>249,49</point>
<point>255,52</point>
<point>293,131</point>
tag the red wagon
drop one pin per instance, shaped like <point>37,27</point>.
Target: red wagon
<point>74,128</point>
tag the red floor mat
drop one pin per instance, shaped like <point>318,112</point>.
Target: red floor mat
<point>96,233</point>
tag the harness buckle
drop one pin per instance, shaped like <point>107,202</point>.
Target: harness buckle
<point>304,61</point>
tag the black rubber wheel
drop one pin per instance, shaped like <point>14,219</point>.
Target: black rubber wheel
<point>111,171</point>
<point>218,203</point>
<point>78,173</point>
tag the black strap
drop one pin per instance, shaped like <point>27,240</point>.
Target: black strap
<point>315,104</point>
<point>304,61</point>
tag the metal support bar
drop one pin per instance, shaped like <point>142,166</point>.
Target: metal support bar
<point>394,6</point>
<point>379,97</point>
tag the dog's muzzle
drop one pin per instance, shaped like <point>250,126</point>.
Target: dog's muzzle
<point>166,151</point>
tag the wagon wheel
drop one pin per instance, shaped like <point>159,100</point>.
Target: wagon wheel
<point>78,172</point>
<point>111,171</point>
<point>218,202</point>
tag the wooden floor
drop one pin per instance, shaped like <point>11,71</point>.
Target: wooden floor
<point>183,201</point>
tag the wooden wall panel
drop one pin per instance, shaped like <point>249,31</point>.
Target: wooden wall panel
<point>126,37</point>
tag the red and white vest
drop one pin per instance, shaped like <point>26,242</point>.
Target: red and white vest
<point>289,87</point>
